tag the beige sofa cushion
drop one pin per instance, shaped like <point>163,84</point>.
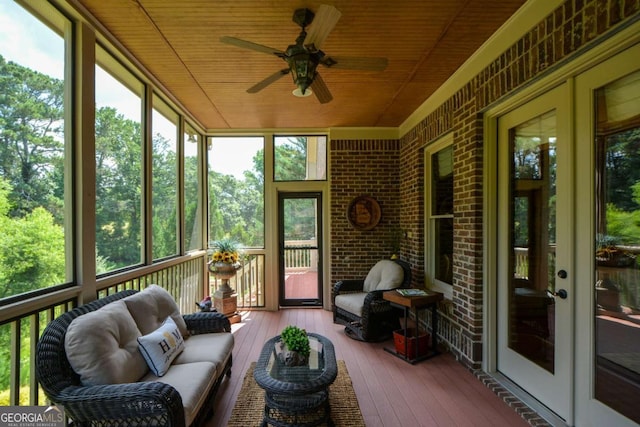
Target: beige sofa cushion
<point>151,306</point>
<point>215,348</point>
<point>102,346</point>
<point>193,381</point>
<point>386,274</point>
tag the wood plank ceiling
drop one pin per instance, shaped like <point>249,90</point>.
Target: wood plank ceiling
<point>178,42</point>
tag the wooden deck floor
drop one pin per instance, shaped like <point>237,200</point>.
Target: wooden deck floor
<point>391,392</point>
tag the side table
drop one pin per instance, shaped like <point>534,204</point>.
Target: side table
<point>416,303</point>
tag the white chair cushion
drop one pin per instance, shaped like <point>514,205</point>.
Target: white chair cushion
<point>386,274</point>
<point>102,346</point>
<point>351,302</point>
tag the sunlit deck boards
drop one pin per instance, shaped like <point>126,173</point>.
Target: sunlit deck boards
<point>436,392</point>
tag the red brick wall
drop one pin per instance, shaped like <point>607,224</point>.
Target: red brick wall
<point>356,166</point>
<point>371,168</point>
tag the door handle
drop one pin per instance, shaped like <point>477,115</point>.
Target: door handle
<point>561,293</point>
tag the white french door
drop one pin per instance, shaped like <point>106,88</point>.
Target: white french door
<point>534,248</point>
<point>608,244</point>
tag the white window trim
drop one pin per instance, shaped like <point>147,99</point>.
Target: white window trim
<point>429,232</point>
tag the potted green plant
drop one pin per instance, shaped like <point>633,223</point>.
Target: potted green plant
<point>610,253</point>
<point>295,347</point>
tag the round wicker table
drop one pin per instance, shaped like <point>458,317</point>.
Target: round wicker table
<point>297,395</point>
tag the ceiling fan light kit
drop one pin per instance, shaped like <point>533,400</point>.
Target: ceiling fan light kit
<point>298,92</point>
<point>305,55</point>
<point>302,62</point>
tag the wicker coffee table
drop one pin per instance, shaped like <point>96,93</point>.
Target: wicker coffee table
<point>297,395</point>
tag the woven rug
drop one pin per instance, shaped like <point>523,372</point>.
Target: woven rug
<point>345,411</point>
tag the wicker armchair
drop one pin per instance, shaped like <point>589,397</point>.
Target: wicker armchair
<point>358,304</point>
<point>138,403</point>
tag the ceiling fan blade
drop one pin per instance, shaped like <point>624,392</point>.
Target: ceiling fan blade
<point>266,82</point>
<point>354,63</point>
<point>251,46</point>
<point>320,90</point>
<point>326,18</point>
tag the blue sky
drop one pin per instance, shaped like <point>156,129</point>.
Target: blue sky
<point>28,42</point>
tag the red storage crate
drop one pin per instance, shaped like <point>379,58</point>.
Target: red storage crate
<point>423,342</point>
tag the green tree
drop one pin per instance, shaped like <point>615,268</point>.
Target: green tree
<point>118,187</point>
<point>236,206</point>
<point>622,179</point>
<point>191,211</point>
<point>31,139</point>
<point>290,159</point>
<point>623,168</point>
<point>32,255</point>
<point>165,200</point>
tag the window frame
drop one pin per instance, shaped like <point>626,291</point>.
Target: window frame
<point>187,131</point>
<point>211,211</point>
<point>293,135</point>
<point>61,25</point>
<point>111,64</point>
<point>429,219</point>
<point>161,107</point>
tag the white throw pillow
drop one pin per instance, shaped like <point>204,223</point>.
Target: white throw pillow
<point>161,346</point>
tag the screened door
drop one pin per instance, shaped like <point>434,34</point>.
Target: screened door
<point>300,249</point>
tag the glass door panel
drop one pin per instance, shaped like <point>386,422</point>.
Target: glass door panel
<point>533,229</point>
<point>534,250</point>
<point>617,223</point>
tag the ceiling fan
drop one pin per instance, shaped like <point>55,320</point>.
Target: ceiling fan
<point>305,55</point>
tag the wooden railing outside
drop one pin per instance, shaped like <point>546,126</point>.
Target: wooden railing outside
<point>249,279</point>
<point>521,267</point>
<point>23,388</point>
<point>299,257</point>
<point>521,255</point>
<point>626,278</point>
<point>248,282</point>
<point>23,323</point>
<point>182,278</point>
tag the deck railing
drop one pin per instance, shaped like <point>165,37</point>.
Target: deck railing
<point>626,278</point>
<point>248,282</point>
<point>22,323</point>
<point>299,255</point>
<point>19,336</point>
<point>249,279</point>
<point>184,277</point>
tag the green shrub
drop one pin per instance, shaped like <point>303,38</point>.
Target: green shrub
<point>24,397</point>
<point>296,339</point>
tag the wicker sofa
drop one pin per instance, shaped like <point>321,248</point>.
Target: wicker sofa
<point>93,361</point>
